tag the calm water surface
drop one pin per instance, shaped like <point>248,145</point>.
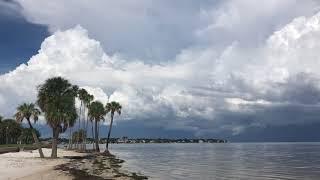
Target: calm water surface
<point>247,161</point>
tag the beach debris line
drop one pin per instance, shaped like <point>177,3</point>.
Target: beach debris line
<point>97,166</point>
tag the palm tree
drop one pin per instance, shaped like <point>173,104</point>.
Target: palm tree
<point>71,120</point>
<point>28,111</point>
<point>96,113</point>
<point>56,98</point>
<point>82,93</point>
<point>81,133</point>
<point>112,107</point>
<point>87,101</point>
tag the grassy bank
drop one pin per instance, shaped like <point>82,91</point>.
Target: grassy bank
<point>5,148</point>
<point>16,145</point>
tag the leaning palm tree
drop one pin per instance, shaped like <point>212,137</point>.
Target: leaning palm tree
<point>28,111</point>
<point>96,113</point>
<point>112,107</point>
<point>56,98</point>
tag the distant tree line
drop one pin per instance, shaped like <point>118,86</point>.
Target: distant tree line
<point>161,140</point>
<point>12,132</point>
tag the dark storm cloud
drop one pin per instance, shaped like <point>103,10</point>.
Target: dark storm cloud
<point>302,88</point>
<point>285,133</point>
<point>19,39</point>
<point>293,102</point>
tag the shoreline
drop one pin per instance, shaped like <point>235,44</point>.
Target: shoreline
<point>69,165</point>
<point>97,166</point>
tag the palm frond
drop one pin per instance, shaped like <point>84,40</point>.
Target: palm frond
<point>56,98</point>
<point>96,111</point>
<point>113,107</point>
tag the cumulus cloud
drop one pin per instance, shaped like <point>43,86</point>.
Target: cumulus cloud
<point>145,91</point>
<point>204,88</point>
<point>250,22</point>
<point>152,30</point>
<point>156,31</point>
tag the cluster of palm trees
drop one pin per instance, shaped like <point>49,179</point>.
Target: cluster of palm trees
<point>12,132</point>
<point>56,100</point>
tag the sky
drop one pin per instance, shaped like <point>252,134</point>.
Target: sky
<point>239,70</point>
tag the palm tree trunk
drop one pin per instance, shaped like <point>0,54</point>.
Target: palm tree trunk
<point>98,128</point>
<point>36,140</point>
<point>97,137</point>
<point>99,131</point>
<point>70,137</point>
<point>78,136</point>
<point>55,132</point>
<point>86,127</point>
<point>92,134</point>
<point>110,128</point>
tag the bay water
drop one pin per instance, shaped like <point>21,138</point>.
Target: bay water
<point>247,161</point>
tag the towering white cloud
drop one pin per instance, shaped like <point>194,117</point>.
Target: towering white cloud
<point>142,89</point>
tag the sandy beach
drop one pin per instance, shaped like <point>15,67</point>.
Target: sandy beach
<point>27,165</point>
